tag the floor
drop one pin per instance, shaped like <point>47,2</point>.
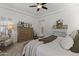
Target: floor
<point>14,50</point>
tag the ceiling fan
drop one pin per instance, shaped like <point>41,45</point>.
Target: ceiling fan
<point>39,6</point>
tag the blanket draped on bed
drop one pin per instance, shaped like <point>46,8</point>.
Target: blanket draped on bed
<point>30,48</point>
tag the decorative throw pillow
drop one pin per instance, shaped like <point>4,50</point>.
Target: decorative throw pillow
<point>75,47</point>
<point>67,42</point>
<point>48,39</point>
<point>74,33</point>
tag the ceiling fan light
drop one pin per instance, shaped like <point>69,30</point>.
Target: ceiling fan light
<point>39,6</point>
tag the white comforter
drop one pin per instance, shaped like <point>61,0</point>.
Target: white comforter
<point>54,49</point>
<point>36,48</point>
<point>30,48</point>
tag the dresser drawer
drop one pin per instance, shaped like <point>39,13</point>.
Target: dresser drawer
<point>25,34</point>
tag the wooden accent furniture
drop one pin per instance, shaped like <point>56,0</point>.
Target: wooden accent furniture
<point>24,33</point>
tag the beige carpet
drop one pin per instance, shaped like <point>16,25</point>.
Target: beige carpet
<point>14,50</point>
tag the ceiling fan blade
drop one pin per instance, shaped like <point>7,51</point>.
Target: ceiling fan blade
<point>33,6</point>
<point>44,7</point>
<point>38,9</point>
<point>37,3</point>
<point>43,3</point>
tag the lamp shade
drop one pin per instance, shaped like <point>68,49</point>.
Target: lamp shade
<point>10,25</point>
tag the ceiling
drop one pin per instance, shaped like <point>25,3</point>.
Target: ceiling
<point>25,9</point>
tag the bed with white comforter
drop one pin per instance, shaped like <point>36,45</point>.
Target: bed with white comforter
<point>36,48</point>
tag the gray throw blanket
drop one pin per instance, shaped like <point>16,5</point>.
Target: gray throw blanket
<point>75,47</point>
<point>48,39</point>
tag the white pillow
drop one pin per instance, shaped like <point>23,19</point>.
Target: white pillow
<point>67,42</point>
<point>74,33</point>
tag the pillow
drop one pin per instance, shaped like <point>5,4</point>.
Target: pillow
<point>75,47</point>
<point>74,33</point>
<point>48,39</point>
<point>67,42</point>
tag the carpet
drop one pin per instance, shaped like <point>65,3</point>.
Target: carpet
<point>13,50</point>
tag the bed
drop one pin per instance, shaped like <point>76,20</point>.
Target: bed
<point>60,46</point>
<point>49,49</point>
<point>54,49</point>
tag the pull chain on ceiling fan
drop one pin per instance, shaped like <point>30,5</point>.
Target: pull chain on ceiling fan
<point>39,6</point>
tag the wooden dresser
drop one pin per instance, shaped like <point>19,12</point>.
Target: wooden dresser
<point>24,33</point>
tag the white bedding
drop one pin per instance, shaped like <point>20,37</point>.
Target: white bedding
<point>30,48</point>
<point>36,48</point>
<point>54,49</point>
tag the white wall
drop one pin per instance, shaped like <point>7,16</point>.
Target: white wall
<point>70,17</point>
<point>17,17</point>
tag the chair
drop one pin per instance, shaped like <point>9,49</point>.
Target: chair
<point>5,41</point>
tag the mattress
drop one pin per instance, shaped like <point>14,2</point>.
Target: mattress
<point>54,49</point>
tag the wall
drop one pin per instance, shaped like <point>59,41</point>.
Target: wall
<point>70,16</point>
<point>17,17</point>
